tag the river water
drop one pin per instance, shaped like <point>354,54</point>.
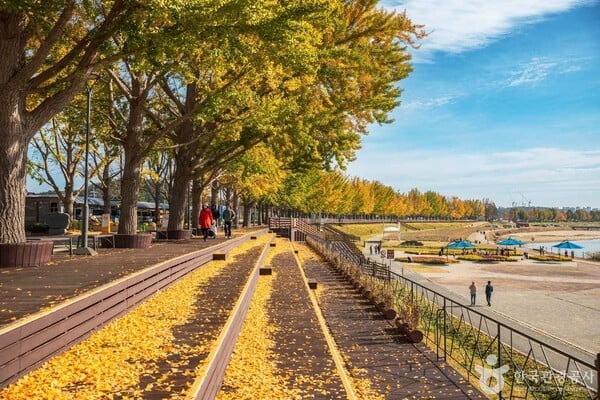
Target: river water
<point>589,247</point>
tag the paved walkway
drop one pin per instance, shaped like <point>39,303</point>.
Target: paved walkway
<point>561,301</point>
<point>302,354</point>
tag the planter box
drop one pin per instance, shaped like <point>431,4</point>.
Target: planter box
<point>402,327</point>
<point>415,336</point>
<point>28,254</point>
<point>134,241</point>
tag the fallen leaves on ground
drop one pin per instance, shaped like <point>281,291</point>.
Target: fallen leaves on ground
<point>252,370</point>
<point>110,363</point>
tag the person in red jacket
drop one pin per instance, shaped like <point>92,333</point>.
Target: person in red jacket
<point>205,220</point>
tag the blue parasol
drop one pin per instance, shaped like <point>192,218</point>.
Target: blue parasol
<point>511,242</point>
<point>460,244</point>
<point>566,245</point>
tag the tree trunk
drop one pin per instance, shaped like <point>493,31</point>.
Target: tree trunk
<point>247,213</point>
<point>14,135</point>
<point>68,205</point>
<point>197,189</point>
<point>135,148</point>
<point>157,202</point>
<point>262,212</point>
<point>130,189</point>
<point>13,172</point>
<point>181,181</point>
<point>214,193</point>
<point>235,206</point>
<point>106,199</point>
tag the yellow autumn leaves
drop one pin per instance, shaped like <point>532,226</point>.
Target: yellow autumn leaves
<point>121,361</point>
<point>114,360</point>
<point>252,372</point>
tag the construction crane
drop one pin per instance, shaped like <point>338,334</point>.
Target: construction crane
<point>525,202</point>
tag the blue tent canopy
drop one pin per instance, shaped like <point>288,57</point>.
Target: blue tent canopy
<point>566,245</point>
<point>461,244</point>
<point>511,242</point>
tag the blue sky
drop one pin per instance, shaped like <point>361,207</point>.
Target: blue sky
<point>503,104</point>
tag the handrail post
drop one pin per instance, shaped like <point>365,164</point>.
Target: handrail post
<point>598,374</point>
<point>499,360</point>
<point>445,329</point>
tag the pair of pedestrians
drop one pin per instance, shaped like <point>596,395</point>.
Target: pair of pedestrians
<point>488,293</point>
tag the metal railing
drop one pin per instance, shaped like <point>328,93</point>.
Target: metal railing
<point>505,360</point>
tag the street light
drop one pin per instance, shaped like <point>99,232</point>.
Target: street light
<point>84,249</point>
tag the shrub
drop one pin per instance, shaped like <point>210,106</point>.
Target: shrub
<point>37,228</point>
<point>549,257</point>
<point>411,243</point>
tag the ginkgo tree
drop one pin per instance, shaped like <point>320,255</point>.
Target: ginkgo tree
<point>254,177</point>
<point>232,86</point>
<point>49,51</point>
<point>304,78</point>
<point>57,153</point>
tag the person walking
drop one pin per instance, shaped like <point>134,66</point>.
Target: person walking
<point>473,290</point>
<point>228,217</point>
<point>215,213</point>
<point>488,293</point>
<point>205,220</point>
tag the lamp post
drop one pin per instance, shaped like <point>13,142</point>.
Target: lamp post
<point>84,249</point>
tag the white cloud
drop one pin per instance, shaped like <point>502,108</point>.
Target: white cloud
<point>546,176</point>
<point>535,71</point>
<point>460,25</point>
<point>539,68</point>
<point>428,103</point>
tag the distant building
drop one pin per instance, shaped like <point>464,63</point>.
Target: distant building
<point>37,206</point>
